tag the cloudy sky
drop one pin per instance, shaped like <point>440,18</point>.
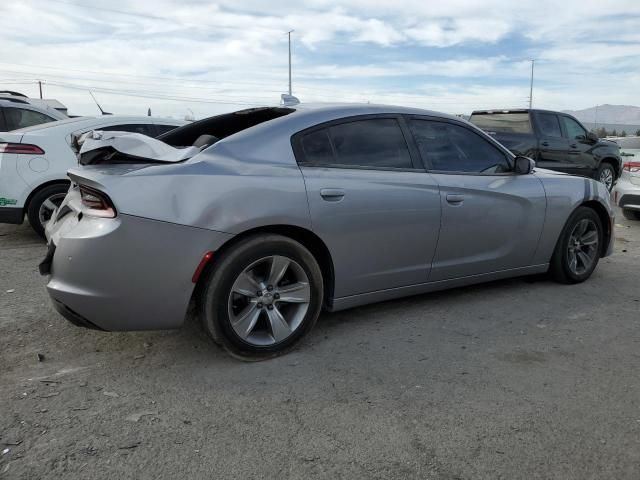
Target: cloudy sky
<point>205,57</point>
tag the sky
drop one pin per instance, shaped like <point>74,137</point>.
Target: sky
<point>198,58</point>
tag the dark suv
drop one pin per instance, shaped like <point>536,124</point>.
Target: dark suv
<point>555,140</point>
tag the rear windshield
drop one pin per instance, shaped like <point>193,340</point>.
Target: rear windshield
<point>502,122</point>
<point>221,126</point>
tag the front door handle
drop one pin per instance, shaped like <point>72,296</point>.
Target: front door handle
<point>455,199</point>
<point>545,144</point>
<point>332,194</point>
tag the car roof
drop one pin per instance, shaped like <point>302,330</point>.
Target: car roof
<point>84,122</point>
<point>24,103</point>
<point>352,109</point>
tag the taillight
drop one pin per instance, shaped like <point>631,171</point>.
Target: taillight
<point>632,167</point>
<point>97,203</point>
<point>21,149</point>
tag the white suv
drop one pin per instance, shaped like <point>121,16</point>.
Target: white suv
<point>34,162</point>
<point>19,111</point>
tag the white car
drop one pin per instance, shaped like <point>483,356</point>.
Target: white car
<point>626,193</point>
<point>34,162</point>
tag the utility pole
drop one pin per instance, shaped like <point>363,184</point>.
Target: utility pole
<point>289,34</point>
<point>40,85</point>
<point>531,87</point>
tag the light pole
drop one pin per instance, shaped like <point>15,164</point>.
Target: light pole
<point>289,34</point>
<point>531,86</point>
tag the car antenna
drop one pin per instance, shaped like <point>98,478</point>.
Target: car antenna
<point>99,107</point>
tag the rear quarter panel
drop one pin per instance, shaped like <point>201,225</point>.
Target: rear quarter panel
<point>564,194</point>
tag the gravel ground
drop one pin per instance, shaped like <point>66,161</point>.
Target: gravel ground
<point>514,379</point>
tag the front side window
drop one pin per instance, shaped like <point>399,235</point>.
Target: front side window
<point>549,125</point>
<point>21,118</point>
<point>374,143</point>
<point>574,129</point>
<point>452,148</point>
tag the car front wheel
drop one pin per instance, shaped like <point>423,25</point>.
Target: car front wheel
<point>578,249</point>
<point>262,297</point>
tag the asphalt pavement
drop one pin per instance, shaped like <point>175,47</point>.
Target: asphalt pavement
<point>517,379</point>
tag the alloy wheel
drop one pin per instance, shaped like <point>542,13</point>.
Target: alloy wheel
<point>583,246</point>
<point>606,177</point>
<point>269,300</point>
<point>49,206</point>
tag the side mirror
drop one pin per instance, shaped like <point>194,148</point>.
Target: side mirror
<point>524,165</point>
<point>592,137</point>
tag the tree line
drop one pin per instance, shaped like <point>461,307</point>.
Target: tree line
<point>603,132</point>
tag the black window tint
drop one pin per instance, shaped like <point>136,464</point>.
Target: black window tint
<point>160,129</point>
<point>317,148</point>
<point>370,143</point>
<point>573,128</point>
<point>133,128</point>
<point>549,125</point>
<point>22,118</point>
<point>452,148</point>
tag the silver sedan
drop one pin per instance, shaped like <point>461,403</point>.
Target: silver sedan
<point>262,218</point>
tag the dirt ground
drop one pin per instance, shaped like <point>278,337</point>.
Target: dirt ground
<point>515,379</point>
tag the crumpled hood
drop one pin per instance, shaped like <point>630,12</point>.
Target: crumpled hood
<point>134,145</point>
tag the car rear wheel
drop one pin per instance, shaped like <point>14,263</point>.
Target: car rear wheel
<point>606,174</point>
<point>262,297</point>
<point>631,214</point>
<point>43,204</point>
<point>578,249</point>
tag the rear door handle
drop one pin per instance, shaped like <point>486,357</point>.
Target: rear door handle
<point>455,199</point>
<point>545,144</point>
<point>332,194</point>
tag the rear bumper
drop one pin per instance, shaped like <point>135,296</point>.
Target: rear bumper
<point>127,273</point>
<point>11,215</point>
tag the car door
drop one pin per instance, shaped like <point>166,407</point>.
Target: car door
<point>491,217</point>
<point>371,201</point>
<point>553,147</point>
<point>581,160</point>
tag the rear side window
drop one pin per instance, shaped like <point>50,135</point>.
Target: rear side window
<point>452,148</point>
<point>21,118</point>
<point>549,125</point>
<point>503,122</point>
<point>573,128</point>
<point>132,127</point>
<point>374,143</point>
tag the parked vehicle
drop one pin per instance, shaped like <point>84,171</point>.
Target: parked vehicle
<point>34,162</point>
<point>262,217</point>
<point>555,140</point>
<point>19,111</point>
<point>626,193</point>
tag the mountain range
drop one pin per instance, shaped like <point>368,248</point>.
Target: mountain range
<point>608,114</point>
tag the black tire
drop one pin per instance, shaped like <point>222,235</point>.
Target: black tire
<point>57,191</point>
<point>560,264</point>
<point>606,168</point>
<point>217,290</point>
<point>631,214</point>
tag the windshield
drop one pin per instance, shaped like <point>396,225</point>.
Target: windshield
<point>517,122</point>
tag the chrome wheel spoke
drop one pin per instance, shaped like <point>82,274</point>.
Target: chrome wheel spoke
<point>589,238</point>
<point>295,293</point>
<point>279,266</point>
<point>247,320</point>
<point>573,262</point>
<point>279,327</point>
<point>584,259</point>
<point>246,285</point>
<point>49,205</point>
